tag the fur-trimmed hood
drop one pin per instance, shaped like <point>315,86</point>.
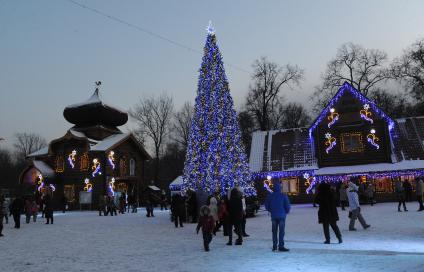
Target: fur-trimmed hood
<point>204,210</point>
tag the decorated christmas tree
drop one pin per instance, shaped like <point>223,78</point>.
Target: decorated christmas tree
<point>215,159</point>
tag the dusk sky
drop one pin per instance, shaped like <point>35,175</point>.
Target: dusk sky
<point>52,51</point>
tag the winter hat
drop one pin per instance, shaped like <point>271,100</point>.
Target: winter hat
<point>204,210</point>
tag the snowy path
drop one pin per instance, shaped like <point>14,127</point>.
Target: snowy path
<point>82,241</point>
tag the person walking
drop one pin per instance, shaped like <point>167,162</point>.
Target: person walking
<point>354,207</point>
<point>48,208</point>
<point>5,210</point>
<point>223,215</point>
<point>163,200</point>
<point>150,204</point>
<point>235,209</point>
<point>122,200</point>
<point>400,194</point>
<point>419,193</point>
<point>16,208</point>
<point>102,205</point>
<point>243,222</point>
<point>178,209</point>
<point>213,208</point>
<point>2,202</point>
<point>408,190</point>
<point>192,205</point>
<point>28,210</point>
<point>327,212</point>
<point>64,203</point>
<point>207,224</point>
<point>370,193</point>
<point>278,204</point>
<point>343,196</point>
<point>34,211</point>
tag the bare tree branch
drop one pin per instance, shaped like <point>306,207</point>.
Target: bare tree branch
<point>361,67</point>
<point>264,100</point>
<point>153,116</point>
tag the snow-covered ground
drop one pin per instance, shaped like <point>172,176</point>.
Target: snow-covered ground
<point>83,241</point>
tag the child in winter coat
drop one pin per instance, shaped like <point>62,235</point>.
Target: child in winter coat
<point>207,223</point>
<point>34,211</point>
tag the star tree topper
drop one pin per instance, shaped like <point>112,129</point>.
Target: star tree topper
<point>210,29</point>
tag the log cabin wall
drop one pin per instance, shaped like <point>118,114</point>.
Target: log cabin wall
<point>350,132</point>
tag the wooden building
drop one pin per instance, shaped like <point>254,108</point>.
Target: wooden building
<point>93,156</point>
<point>351,137</point>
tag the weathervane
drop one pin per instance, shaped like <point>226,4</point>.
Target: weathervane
<point>98,83</point>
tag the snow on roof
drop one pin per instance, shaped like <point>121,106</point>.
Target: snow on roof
<point>94,99</point>
<point>109,142</point>
<point>366,168</point>
<point>77,133</point>
<point>44,168</point>
<point>257,151</point>
<point>177,182</point>
<point>40,152</point>
<point>154,188</point>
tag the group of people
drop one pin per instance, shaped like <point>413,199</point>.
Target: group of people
<point>403,191</point>
<point>228,212</point>
<point>108,206</point>
<point>278,204</point>
<point>27,206</point>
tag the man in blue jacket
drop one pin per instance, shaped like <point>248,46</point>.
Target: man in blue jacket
<point>278,204</point>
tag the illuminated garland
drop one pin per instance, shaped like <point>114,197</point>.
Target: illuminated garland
<point>111,159</point>
<point>96,168</point>
<point>330,142</point>
<point>71,158</point>
<point>111,187</point>
<point>372,139</point>
<point>365,114</point>
<point>88,187</point>
<point>333,117</point>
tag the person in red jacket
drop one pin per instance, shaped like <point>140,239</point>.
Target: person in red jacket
<point>207,223</point>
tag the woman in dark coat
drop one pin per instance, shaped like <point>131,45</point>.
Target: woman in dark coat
<point>235,209</point>
<point>16,209</point>
<point>178,209</point>
<point>48,209</point>
<point>327,212</point>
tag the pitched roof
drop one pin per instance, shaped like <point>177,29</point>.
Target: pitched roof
<point>110,142</point>
<point>44,168</point>
<point>346,87</point>
<point>116,139</point>
<point>41,152</point>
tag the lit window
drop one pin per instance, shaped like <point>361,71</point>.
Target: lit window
<point>351,142</point>
<point>132,167</point>
<point>290,185</point>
